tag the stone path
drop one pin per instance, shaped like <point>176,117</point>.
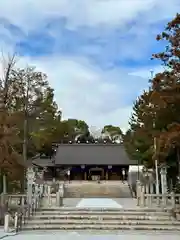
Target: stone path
<point>127,202</point>
<point>98,202</point>
<point>71,202</point>
<point>91,236</point>
<point>123,202</point>
<point>5,235</point>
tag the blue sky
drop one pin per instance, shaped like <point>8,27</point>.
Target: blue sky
<point>96,52</point>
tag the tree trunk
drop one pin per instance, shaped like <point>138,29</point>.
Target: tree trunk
<point>4,184</point>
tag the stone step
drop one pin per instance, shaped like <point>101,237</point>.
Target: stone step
<point>103,213</point>
<point>104,217</point>
<point>75,195</point>
<point>98,227</point>
<point>115,213</point>
<point>109,210</point>
<point>101,222</point>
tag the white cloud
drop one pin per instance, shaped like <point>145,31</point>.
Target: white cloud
<point>82,90</point>
<point>103,15</point>
<point>85,12</point>
<point>86,92</point>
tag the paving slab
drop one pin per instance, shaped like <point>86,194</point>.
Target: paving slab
<point>97,203</point>
<point>4,235</point>
<point>71,202</point>
<point>123,202</point>
<point>95,235</point>
<point>127,202</point>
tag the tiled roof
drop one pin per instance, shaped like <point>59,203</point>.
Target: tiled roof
<point>42,162</point>
<point>95,154</point>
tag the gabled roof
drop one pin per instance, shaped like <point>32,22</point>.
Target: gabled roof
<point>41,161</point>
<point>95,154</point>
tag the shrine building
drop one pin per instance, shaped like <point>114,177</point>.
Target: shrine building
<point>86,161</point>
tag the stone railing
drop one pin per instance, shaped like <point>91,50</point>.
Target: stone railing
<point>10,203</point>
<point>11,206</point>
<point>18,208</point>
<point>149,199</point>
<point>52,199</point>
<point>17,214</point>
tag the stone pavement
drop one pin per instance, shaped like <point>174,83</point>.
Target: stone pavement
<point>127,202</point>
<point>91,236</point>
<point>124,202</point>
<point>71,202</point>
<point>5,235</point>
<point>98,203</point>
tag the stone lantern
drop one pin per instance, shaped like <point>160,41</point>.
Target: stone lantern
<point>146,179</point>
<point>163,173</point>
<point>30,175</point>
<point>30,181</point>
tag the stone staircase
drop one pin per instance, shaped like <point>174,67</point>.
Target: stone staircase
<point>95,190</point>
<point>75,219</point>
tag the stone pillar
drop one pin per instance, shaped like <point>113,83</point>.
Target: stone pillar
<point>61,195</point>
<point>151,188</point>
<point>49,195</point>
<point>147,188</point>
<point>45,190</point>
<point>6,222</point>
<point>164,180</point>
<point>138,192</point>
<point>57,199</point>
<point>30,179</point>
<point>36,197</point>
<point>142,198</point>
<point>163,173</point>
<point>16,222</point>
<point>41,190</point>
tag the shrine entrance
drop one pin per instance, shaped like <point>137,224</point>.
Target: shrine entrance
<point>96,173</point>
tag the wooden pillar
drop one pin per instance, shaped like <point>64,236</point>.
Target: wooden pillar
<point>85,176</point>
<point>83,172</point>
<point>107,175</point>
<point>103,174</point>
